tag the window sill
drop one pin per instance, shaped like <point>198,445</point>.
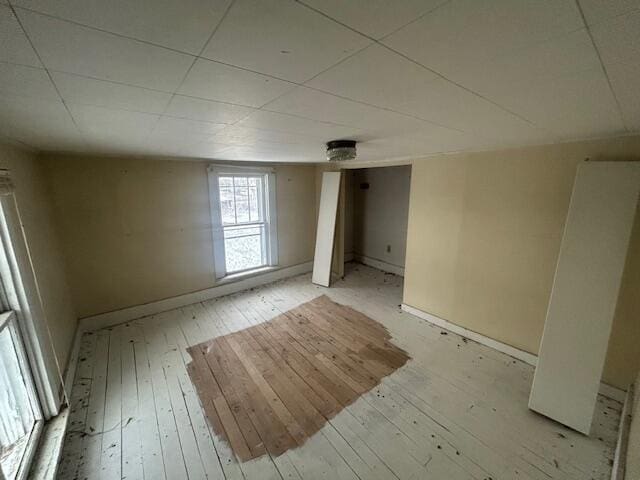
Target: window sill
<point>234,277</point>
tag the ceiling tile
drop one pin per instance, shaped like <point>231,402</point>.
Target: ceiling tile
<point>315,105</point>
<point>282,38</point>
<point>171,125</point>
<point>43,124</point>
<point>88,91</point>
<point>376,76</point>
<point>618,40</point>
<point>235,135</point>
<point>206,110</point>
<point>108,145</point>
<point>279,122</point>
<point>280,153</point>
<point>26,81</point>
<point>15,45</point>
<point>450,105</point>
<point>432,139</point>
<point>469,32</point>
<point>561,104</point>
<point>558,85</point>
<point>540,63</point>
<point>207,149</point>
<point>183,143</point>
<point>103,125</point>
<point>183,25</point>
<point>375,18</point>
<point>597,11</point>
<point>405,87</point>
<point>71,48</point>
<point>215,81</point>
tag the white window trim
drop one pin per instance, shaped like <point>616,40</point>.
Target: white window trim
<point>23,297</point>
<point>214,171</point>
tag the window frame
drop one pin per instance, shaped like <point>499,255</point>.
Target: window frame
<point>270,237</point>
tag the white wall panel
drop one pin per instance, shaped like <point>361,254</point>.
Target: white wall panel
<point>325,234</point>
<point>585,292</point>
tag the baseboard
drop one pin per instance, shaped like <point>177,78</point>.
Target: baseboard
<point>72,364</point>
<point>527,357</point>
<point>96,322</point>
<point>379,264</point>
<point>614,393</point>
<point>620,456</point>
<point>348,257</point>
<point>116,317</point>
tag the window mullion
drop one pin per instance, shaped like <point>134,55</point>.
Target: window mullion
<point>235,200</point>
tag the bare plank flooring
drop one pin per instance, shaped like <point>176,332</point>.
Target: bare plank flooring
<point>254,381</point>
<point>456,410</point>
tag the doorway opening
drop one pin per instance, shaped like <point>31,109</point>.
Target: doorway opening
<point>376,217</point>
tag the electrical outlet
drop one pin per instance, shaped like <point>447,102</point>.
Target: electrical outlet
<point>388,248</point>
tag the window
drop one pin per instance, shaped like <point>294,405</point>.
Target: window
<point>21,413</point>
<point>243,209</point>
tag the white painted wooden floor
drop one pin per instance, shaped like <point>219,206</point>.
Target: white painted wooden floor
<point>457,410</point>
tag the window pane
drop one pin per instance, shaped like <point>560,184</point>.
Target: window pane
<point>227,205</point>
<point>243,248</point>
<point>242,203</point>
<point>16,415</point>
<point>225,181</point>
<point>254,208</point>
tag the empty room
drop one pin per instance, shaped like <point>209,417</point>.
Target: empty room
<point>319,239</point>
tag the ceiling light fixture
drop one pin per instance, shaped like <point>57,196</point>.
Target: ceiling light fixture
<point>341,150</point>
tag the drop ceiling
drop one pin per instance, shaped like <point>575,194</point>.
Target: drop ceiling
<point>273,80</point>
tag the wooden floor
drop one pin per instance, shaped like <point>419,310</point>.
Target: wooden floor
<point>456,410</point>
<point>272,386</point>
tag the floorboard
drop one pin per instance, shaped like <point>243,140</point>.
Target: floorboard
<point>456,410</point>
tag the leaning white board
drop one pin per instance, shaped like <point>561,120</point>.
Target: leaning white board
<point>326,228</point>
<point>585,292</point>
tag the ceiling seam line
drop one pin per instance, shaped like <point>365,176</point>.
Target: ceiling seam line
<point>199,55</point>
<point>415,19</point>
<point>418,63</point>
<point>11,140</point>
<point>304,82</point>
<point>466,89</point>
<point>156,45</point>
<point>604,68</point>
<point>102,30</point>
<point>386,109</point>
<point>302,117</point>
<point>62,100</point>
<point>184,77</point>
<point>224,16</point>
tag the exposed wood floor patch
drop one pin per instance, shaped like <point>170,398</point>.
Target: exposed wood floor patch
<point>270,387</point>
<point>456,410</point>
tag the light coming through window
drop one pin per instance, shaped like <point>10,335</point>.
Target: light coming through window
<point>243,222</point>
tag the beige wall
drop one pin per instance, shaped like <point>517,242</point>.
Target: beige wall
<point>34,207</point>
<point>483,240</point>
<point>139,230</point>
<point>381,212</point>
